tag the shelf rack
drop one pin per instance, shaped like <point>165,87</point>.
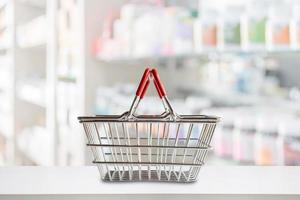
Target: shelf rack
<point>200,55</point>
<point>30,62</point>
<point>7,87</point>
<point>31,65</point>
<point>70,71</point>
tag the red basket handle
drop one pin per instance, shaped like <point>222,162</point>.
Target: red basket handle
<point>145,89</point>
<point>145,82</point>
<point>141,90</point>
<point>157,89</point>
<point>159,86</point>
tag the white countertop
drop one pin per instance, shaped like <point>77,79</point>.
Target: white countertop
<point>212,180</point>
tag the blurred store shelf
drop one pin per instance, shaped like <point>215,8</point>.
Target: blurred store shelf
<point>35,3</point>
<point>32,33</point>
<point>3,48</point>
<point>33,93</point>
<point>6,84</point>
<point>5,128</point>
<point>79,48</point>
<point>116,60</point>
<point>205,55</point>
<point>36,144</point>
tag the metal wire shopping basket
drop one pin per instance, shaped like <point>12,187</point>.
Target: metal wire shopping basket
<point>167,147</point>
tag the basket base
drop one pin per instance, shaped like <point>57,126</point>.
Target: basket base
<point>151,176</point>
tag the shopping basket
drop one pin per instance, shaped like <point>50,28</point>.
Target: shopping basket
<point>167,147</point>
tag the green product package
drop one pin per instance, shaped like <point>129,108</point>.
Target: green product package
<point>257,29</point>
<point>232,33</point>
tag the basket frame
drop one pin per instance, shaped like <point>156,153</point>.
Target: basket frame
<point>177,158</point>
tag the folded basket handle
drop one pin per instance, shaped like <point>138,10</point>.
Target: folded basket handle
<point>157,89</point>
<point>159,86</point>
<point>145,89</point>
<point>142,88</point>
<point>145,81</point>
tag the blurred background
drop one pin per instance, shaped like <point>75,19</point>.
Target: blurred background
<point>237,59</point>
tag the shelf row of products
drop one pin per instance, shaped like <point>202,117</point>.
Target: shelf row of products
<point>67,93</point>
<point>6,84</point>
<point>6,149</point>
<point>34,141</point>
<point>35,3</point>
<point>33,134</point>
<point>69,136</point>
<point>5,78</point>
<point>133,30</point>
<point>36,144</point>
<point>237,74</point>
<point>5,75</point>
<point>5,41</point>
<point>117,99</point>
<point>68,27</point>
<point>33,33</point>
<point>5,25</point>
<point>70,150</point>
<point>33,91</point>
<point>5,106</point>
<point>5,125</point>
<point>5,19</point>
<point>258,135</point>
<point>67,104</point>
<point>3,149</point>
<point>68,65</point>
